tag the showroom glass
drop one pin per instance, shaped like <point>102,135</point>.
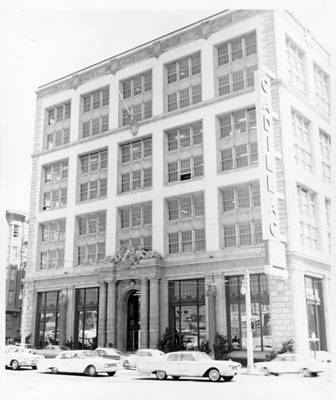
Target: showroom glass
<point>187,319</point>
<point>47,318</point>
<point>260,312</point>
<point>86,321</point>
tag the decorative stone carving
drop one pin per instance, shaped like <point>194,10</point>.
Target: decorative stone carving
<point>114,66</point>
<point>75,81</point>
<point>205,30</point>
<point>131,256</point>
<point>156,49</point>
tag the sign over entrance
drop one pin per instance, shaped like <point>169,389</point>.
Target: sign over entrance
<point>275,262</point>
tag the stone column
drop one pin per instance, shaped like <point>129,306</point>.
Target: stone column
<point>102,315</point>
<point>154,314</point>
<point>143,313</point>
<point>63,303</point>
<point>111,313</point>
<point>164,318</point>
<point>210,306</point>
<point>70,330</point>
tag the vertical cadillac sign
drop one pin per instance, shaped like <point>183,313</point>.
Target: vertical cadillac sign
<point>275,254</point>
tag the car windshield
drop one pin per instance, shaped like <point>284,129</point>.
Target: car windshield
<point>203,356</point>
<point>88,354</point>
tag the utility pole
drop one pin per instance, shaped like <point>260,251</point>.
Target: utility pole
<point>245,290</point>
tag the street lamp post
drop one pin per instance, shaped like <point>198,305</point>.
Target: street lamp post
<point>245,290</point>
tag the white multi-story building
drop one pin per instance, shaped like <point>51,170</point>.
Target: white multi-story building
<point>162,174</point>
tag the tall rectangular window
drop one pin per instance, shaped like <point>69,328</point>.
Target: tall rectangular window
<point>54,185</point>
<point>301,139</point>
<point>322,89</point>
<point>184,152</point>
<point>325,146</point>
<point>185,224</point>
<point>57,125</point>
<point>307,218</point>
<point>135,165</point>
<point>137,97</point>
<point>327,205</point>
<point>51,244</point>
<point>183,82</point>
<point>94,117</point>
<point>135,227</point>
<point>92,177</point>
<point>296,65</point>
<point>90,238</point>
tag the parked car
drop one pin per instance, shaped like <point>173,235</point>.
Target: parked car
<point>189,364</point>
<point>110,353</point>
<point>19,356</point>
<point>294,363</point>
<point>79,361</point>
<point>130,360</point>
<point>51,350</point>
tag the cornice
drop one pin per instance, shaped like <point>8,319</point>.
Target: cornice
<point>201,30</point>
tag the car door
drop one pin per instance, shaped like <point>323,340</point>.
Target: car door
<point>62,362</point>
<point>188,365</point>
<point>172,364</point>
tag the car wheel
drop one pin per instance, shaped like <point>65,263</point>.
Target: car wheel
<point>15,365</point>
<point>161,375</point>
<point>266,371</point>
<point>175,377</point>
<point>91,370</point>
<point>306,372</point>
<point>213,375</point>
<point>111,373</point>
<point>227,378</point>
<point>126,364</point>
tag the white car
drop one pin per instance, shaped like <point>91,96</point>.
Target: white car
<point>295,363</point>
<point>190,364</point>
<point>19,356</point>
<point>130,361</point>
<point>109,353</point>
<point>79,361</point>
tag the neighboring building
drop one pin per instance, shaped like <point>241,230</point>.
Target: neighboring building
<point>133,231</point>
<point>15,271</point>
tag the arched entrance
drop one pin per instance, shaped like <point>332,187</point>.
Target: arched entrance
<point>133,321</point>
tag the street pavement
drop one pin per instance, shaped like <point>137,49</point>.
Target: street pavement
<point>126,385</point>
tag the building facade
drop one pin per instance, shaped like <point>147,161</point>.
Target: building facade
<point>15,271</point>
<point>162,174</point>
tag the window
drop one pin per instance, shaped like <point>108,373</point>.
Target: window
<point>307,217</point>
<point>237,122</point>
<point>57,128</point>
<point>137,95</point>
<point>93,189</point>
<point>54,185</point>
<point>239,156</point>
<point>182,214</point>
<point>322,89</point>
<point>90,238</point>
<point>187,317</point>
<point>16,230</point>
<point>301,139</point>
<point>236,49</point>
<point>135,226</point>
<point>95,113</point>
<point>135,164</point>
<point>315,312</point>
<point>48,311</point>
<point>236,81</point>
<point>58,113</point>
<point>296,65</point>
<point>52,244</point>
<point>189,137</point>
<point>185,75</point>
<point>327,204</point>
<point>260,308</point>
<point>325,145</point>
<point>95,100</point>
<point>184,68</point>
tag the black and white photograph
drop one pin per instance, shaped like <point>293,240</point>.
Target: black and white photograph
<point>168,200</point>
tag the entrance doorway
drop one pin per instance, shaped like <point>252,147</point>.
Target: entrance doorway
<point>133,321</point>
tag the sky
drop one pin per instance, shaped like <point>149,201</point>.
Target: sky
<point>41,41</point>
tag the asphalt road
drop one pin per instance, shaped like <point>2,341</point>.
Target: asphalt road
<point>125,385</point>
